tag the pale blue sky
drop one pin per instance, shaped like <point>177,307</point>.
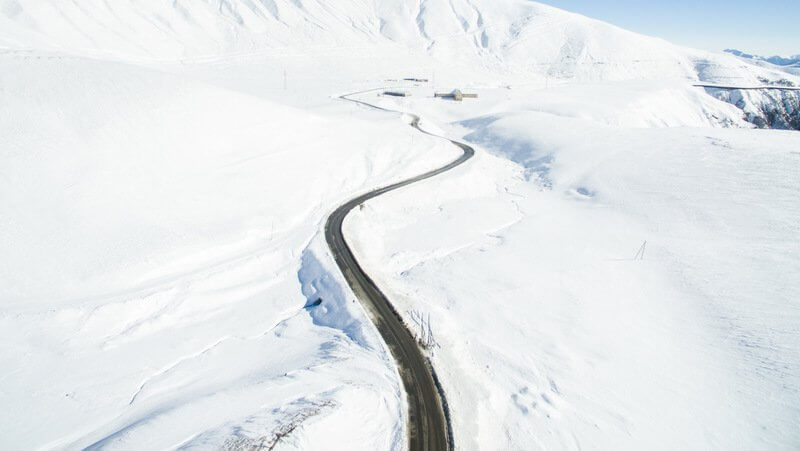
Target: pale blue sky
<point>764,27</point>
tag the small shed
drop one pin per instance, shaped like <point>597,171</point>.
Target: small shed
<point>456,95</point>
<point>397,93</point>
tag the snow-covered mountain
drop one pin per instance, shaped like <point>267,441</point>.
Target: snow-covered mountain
<point>789,65</point>
<point>511,36</point>
<point>776,60</point>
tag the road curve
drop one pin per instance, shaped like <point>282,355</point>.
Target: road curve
<point>428,426</point>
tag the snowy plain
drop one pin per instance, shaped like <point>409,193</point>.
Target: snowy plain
<point>163,191</point>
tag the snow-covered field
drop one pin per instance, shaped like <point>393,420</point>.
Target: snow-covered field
<point>558,327</point>
<point>160,240</point>
<point>616,268</point>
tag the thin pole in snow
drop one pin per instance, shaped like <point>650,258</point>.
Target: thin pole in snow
<point>430,332</point>
<point>640,253</point>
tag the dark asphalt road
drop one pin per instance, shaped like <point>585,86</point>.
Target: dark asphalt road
<point>428,425</point>
<point>746,88</point>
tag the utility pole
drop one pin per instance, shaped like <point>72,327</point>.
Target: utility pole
<point>640,253</point>
<point>284,80</point>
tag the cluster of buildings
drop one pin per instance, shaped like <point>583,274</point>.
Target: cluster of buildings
<point>455,95</point>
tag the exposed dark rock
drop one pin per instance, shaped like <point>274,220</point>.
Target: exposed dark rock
<point>775,109</point>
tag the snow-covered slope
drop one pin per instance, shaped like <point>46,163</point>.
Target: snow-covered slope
<point>509,36</point>
<point>160,241</point>
<point>595,280</point>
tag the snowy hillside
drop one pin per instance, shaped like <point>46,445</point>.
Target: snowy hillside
<point>511,36</point>
<point>613,269</point>
<point>598,284</point>
<point>159,235</point>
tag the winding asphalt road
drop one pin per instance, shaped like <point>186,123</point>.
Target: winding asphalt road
<point>429,427</point>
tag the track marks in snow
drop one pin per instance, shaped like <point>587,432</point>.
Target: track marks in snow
<point>544,401</point>
<point>169,368</point>
<point>479,241</point>
<point>153,378</point>
<point>185,297</point>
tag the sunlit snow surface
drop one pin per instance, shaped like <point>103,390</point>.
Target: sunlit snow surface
<point>162,253</point>
<point>556,328</point>
<point>166,169</point>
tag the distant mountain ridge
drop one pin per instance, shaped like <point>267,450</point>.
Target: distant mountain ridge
<point>776,60</point>
<point>519,38</point>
